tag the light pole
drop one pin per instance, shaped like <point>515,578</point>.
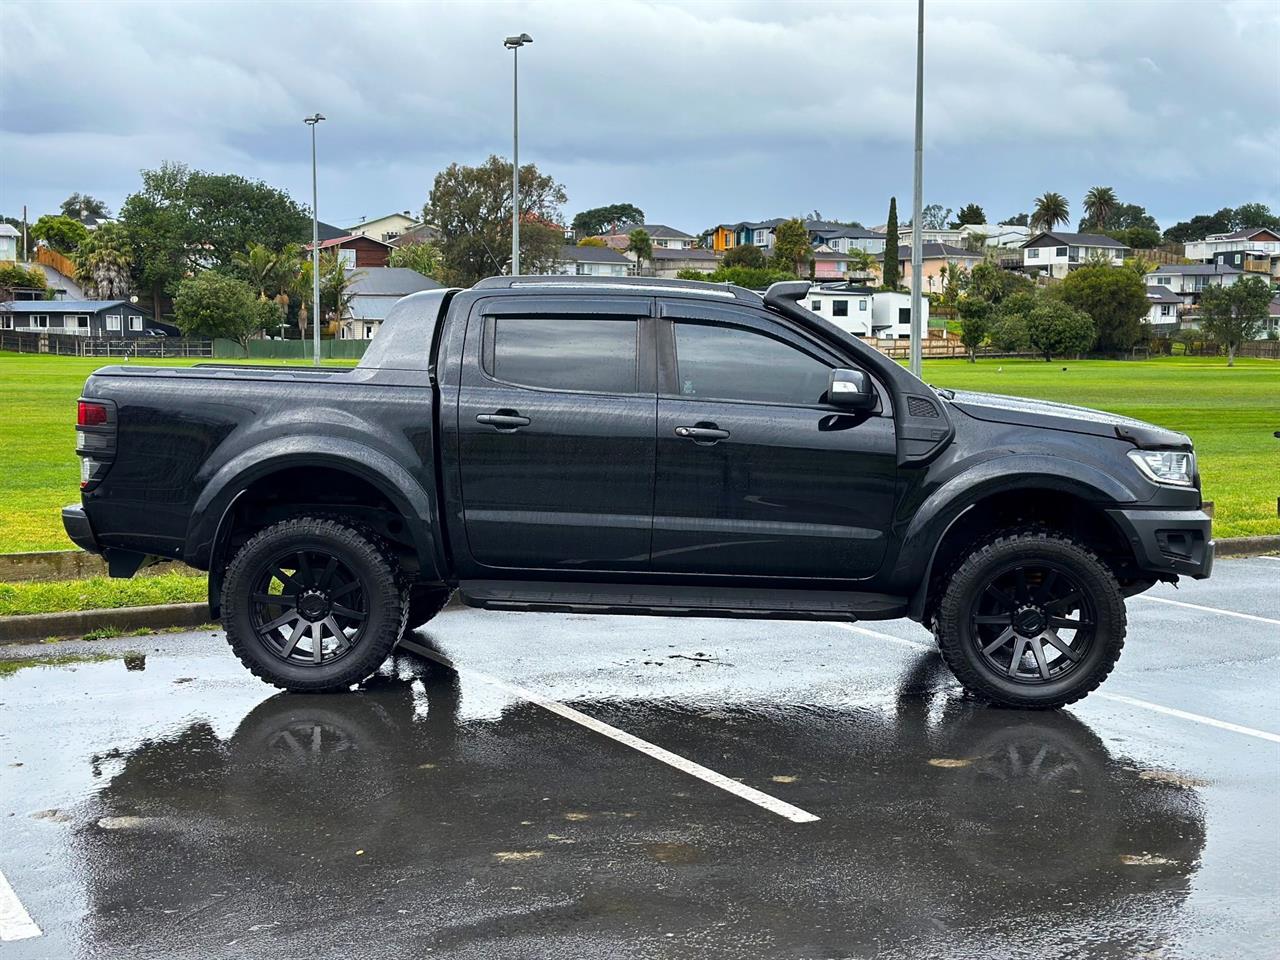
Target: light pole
<point>514,44</point>
<point>315,247</point>
<point>918,201</point>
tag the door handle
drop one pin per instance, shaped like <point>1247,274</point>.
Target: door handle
<point>707,433</point>
<point>505,421</point>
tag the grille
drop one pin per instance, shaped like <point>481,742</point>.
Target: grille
<point>920,407</point>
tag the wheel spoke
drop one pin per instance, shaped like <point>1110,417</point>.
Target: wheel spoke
<point>1061,645</point>
<point>275,599</point>
<point>1007,602</point>
<point>279,621</point>
<point>1046,588</point>
<point>1005,618</point>
<point>1037,649</point>
<point>294,638</point>
<point>327,574</point>
<point>347,612</point>
<point>1062,623</point>
<point>340,637</point>
<point>305,573</point>
<point>999,641</point>
<point>1023,592</point>
<point>1018,649</point>
<point>1063,602</point>
<point>343,591</point>
<point>317,642</point>
<point>278,572</point>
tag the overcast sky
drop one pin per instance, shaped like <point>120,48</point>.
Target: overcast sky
<point>699,113</point>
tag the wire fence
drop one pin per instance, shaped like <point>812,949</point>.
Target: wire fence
<point>70,345</point>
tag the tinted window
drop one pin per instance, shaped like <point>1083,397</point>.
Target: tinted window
<point>563,353</point>
<point>728,363</point>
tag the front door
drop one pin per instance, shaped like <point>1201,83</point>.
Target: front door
<point>556,420</point>
<point>756,475</point>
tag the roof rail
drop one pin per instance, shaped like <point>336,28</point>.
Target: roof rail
<point>650,284</point>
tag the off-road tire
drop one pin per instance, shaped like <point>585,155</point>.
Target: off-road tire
<point>425,602</point>
<point>952,628</point>
<point>370,561</point>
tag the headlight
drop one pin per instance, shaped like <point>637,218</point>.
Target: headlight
<point>1174,467</point>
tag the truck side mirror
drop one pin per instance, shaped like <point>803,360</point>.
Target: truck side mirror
<point>850,389</point>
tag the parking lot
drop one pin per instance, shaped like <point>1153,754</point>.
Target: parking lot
<point>579,786</point>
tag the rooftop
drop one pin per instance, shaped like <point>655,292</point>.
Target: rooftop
<point>1193,270</point>
<point>1159,294</point>
<point>1079,239</point>
<point>656,231</point>
<point>932,250</point>
<point>61,306</point>
<point>574,254</point>
<point>692,253</point>
<point>388,281</point>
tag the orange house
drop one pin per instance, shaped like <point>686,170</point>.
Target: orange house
<point>723,237</point>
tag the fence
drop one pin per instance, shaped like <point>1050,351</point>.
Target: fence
<point>291,349</point>
<point>52,258</point>
<point>1262,349</point>
<point>70,345</point>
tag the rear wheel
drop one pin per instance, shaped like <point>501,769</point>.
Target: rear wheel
<point>312,604</point>
<point>1031,619</point>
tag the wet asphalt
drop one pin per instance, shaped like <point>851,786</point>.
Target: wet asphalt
<point>170,805</point>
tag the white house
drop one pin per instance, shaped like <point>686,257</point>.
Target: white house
<point>375,291</point>
<point>864,312</point>
<point>8,242</point>
<point>1008,235</point>
<point>661,236</point>
<point>1188,280</point>
<point>1252,239</point>
<point>591,262</point>
<point>1056,253</point>
<point>386,228</point>
<point>1164,311</point>
<point>667,262</point>
<point>945,235</point>
<point>891,314</point>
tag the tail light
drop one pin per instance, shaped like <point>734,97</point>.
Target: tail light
<point>95,439</point>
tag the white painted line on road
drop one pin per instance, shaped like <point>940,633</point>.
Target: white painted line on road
<point>1117,697</point>
<point>15,922</point>
<point>751,795</point>
<point>1196,606</point>
<point>1272,559</point>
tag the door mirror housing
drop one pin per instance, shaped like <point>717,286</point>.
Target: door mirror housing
<point>850,390</point>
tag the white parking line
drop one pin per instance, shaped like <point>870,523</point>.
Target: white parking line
<point>1196,606</point>
<point>751,795</point>
<point>15,922</point>
<point>1272,559</point>
<point>1118,698</point>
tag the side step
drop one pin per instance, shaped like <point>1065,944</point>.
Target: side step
<point>680,601</point>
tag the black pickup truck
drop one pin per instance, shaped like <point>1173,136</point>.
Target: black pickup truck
<point>635,446</point>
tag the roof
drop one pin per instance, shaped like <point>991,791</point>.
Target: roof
<point>328,231</point>
<point>418,234</point>
<point>690,253</point>
<point>62,306</point>
<point>365,307</point>
<point>346,237</point>
<point>656,231</point>
<point>1248,233</point>
<point>1273,308</point>
<point>1194,269</point>
<point>388,281</point>
<point>1079,239</point>
<point>573,254</point>
<point>933,250</point>
<point>1158,294</point>
<point>8,230</point>
<point>853,233</point>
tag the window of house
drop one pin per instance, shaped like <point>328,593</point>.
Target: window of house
<point>1033,253</point>
<point>729,363</point>
<point>82,322</point>
<point>815,306</point>
<point>135,324</point>
<point>6,323</point>
<point>862,305</point>
<point>1061,251</point>
<point>660,243</point>
<point>839,308</point>
<point>565,353</point>
<point>56,320</point>
<point>40,320</point>
<point>1237,258</point>
<point>347,258</point>
<point>369,330</point>
<point>113,321</point>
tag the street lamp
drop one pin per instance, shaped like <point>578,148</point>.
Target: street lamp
<point>514,44</point>
<point>917,200</point>
<point>315,246</point>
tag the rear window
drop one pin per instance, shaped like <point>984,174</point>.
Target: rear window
<point>565,353</point>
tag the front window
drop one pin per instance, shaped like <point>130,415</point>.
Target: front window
<point>815,306</point>
<point>1061,251</point>
<point>730,363</point>
<point>862,305</point>
<point>135,324</point>
<point>347,258</point>
<point>1033,253</point>
<point>1166,310</point>
<point>564,353</point>
<point>113,322</point>
<point>839,308</point>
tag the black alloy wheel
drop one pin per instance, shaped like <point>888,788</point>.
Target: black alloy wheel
<point>309,607</point>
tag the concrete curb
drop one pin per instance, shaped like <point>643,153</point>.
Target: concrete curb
<point>69,565</point>
<point>1247,546</point>
<point>31,628</point>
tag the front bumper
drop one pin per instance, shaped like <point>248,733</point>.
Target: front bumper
<point>1169,541</point>
<point>78,528</point>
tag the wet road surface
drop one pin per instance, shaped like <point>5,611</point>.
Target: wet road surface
<point>173,806</point>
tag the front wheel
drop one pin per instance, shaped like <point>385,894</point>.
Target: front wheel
<point>1031,619</point>
<point>312,604</point>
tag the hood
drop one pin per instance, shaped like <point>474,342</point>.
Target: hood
<point>996,408</point>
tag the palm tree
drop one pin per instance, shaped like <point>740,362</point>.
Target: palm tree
<point>261,267</point>
<point>1099,204</point>
<point>102,263</point>
<point>1051,210</point>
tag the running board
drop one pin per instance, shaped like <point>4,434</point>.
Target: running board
<point>680,601</point>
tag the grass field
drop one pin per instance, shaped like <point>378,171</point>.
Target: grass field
<point>1230,413</point>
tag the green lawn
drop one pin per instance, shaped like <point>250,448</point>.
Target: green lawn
<point>100,593</point>
<point>1230,413</point>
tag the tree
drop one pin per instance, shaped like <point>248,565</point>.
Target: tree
<point>1137,238</point>
<point>472,208</point>
<point>1231,315</point>
<point>211,304</point>
<point>259,266</point>
<point>861,263</point>
<point>1008,332</point>
<point>934,217</point>
<point>749,277</point>
<point>423,257</point>
<point>890,276</point>
<point>792,249</point>
<point>103,261</point>
<point>14,276</point>
<point>60,233</point>
<point>1199,227</point>
<point>969,213</point>
<point>599,220</point>
<point>1254,215</point>
<point>745,255</point>
<point>81,205</point>
<point>640,244</point>
<point>988,281</point>
<point>1099,204</point>
<point>336,280</point>
<point>1115,299</point>
<point>975,323</point>
<point>592,242</point>
<point>1127,216</point>
<point>1017,220</point>
<point>1051,210</point>
<point>1055,328</point>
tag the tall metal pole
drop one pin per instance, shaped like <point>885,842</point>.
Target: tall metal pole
<point>515,161</point>
<point>918,201</point>
<point>313,122</point>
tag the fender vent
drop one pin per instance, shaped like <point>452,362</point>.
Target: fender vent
<point>920,407</point>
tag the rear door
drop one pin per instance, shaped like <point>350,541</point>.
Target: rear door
<point>556,421</point>
<point>756,474</point>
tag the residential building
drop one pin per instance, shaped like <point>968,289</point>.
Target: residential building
<point>1057,253</point>
<point>422,233</point>
<point>864,312</point>
<point>891,314</point>
<point>946,235</point>
<point>112,319</point>
<point>1271,329</point>
<point>327,231</point>
<point>660,235</point>
<point>1165,310</point>
<point>667,262</point>
<point>357,251</point>
<point>829,264</point>
<point>591,262</point>
<point>9,237</point>
<point>1262,240</point>
<point>385,228</point>
<point>375,290</point>
<point>934,256</point>
<point>1188,280</point>
<point>720,238</point>
<point>842,239</point>
<point>1007,235</point>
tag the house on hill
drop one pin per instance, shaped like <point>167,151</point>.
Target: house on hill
<point>1056,253</point>
<point>112,319</point>
<point>375,290</point>
<point>357,251</point>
